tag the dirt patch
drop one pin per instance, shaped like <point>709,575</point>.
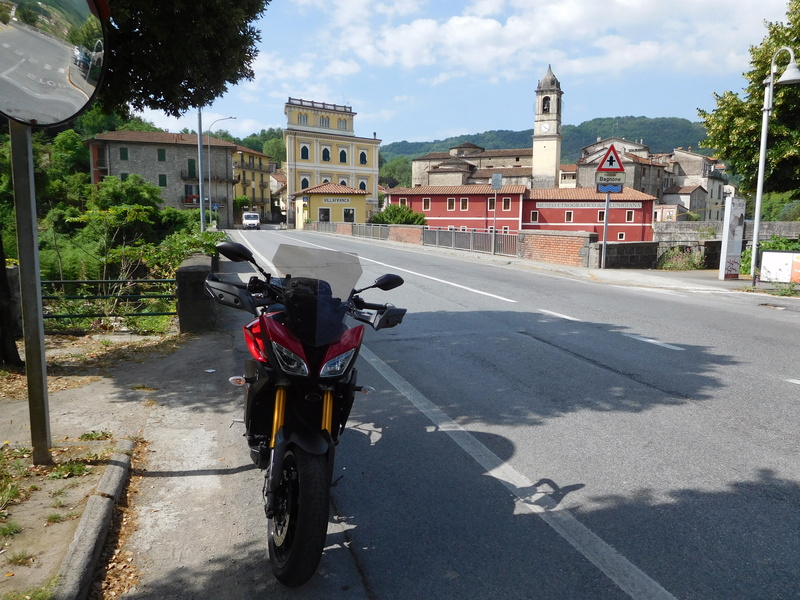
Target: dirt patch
<point>38,522</point>
<point>74,361</point>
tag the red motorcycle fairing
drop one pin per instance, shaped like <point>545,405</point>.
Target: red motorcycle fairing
<point>350,339</point>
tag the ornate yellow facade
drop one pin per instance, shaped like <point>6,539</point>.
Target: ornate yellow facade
<point>321,147</point>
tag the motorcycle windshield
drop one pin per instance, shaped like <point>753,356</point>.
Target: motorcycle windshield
<point>317,285</point>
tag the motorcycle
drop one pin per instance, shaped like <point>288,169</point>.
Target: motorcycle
<point>300,384</point>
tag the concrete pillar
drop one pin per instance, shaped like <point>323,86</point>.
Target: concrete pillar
<point>195,307</point>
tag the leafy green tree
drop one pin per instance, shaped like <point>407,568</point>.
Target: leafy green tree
<point>148,41</point>
<point>68,155</point>
<point>275,148</point>
<point>5,16</point>
<point>734,126</point>
<point>396,172</point>
<point>394,214</point>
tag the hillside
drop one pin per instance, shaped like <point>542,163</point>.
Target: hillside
<point>660,135</point>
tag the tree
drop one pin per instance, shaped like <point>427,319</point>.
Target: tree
<point>396,172</point>
<point>148,41</point>
<point>275,149</point>
<point>734,126</point>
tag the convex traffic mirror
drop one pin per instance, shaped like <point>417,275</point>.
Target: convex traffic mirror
<point>51,59</point>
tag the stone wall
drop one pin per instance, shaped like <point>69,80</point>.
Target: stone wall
<point>696,232</point>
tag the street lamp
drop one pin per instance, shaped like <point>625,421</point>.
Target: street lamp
<point>209,155</point>
<point>790,76</point>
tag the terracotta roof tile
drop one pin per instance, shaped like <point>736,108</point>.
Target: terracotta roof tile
<point>433,190</point>
<point>588,193</point>
<point>330,188</point>
<point>158,137</point>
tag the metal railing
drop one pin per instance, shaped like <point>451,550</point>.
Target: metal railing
<point>505,244</point>
<point>130,298</point>
<point>376,232</point>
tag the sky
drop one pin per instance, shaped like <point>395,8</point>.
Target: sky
<point>425,70</point>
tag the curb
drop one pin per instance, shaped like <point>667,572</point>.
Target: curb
<point>79,566</point>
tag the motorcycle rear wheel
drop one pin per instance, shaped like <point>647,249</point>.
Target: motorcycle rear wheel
<point>298,529</point>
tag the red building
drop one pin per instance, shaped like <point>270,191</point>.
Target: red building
<point>519,208</point>
<point>630,218</point>
<point>464,206</point>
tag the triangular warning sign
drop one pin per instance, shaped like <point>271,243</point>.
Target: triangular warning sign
<point>611,161</point>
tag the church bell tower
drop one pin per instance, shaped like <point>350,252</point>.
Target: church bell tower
<point>547,133</point>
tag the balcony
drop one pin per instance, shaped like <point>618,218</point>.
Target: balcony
<point>241,164</point>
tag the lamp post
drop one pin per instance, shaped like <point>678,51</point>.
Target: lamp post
<point>790,76</point>
<point>209,155</point>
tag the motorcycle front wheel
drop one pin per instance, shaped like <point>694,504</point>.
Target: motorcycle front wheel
<point>298,529</point>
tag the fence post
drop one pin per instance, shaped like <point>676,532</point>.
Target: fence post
<point>195,308</point>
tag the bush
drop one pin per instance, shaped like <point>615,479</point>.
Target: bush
<point>394,214</point>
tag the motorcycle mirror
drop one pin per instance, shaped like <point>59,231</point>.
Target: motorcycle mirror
<point>235,252</point>
<point>388,282</point>
<point>52,60</point>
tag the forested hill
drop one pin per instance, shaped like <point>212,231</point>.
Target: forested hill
<point>662,134</point>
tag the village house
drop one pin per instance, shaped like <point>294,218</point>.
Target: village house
<point>330,203</point>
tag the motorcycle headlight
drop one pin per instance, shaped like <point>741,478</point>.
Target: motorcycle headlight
<point>338,365</point>
<point>289,362</point>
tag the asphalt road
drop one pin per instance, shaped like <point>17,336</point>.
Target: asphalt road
<point>531,435</point>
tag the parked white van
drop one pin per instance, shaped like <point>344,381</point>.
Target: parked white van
<point>251,220</point>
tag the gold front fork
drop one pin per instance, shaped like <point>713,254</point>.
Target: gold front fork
<point>279,412</point>
<point>327,411</point>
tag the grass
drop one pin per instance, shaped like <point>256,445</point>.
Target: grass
<point>21,558</point>
<point>55,518</point>
<point>41,593</point>
<point>9,529</point>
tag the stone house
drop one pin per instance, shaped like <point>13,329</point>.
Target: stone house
<point>169,160</point>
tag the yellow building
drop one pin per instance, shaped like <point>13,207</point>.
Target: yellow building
<point>321,147</point>
<point>252,179</point>
<point>330,203</point>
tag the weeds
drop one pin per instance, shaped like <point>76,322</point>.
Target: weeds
<point>21,558</point>
<point>71,468</point>
<point>680,259</point>
<point>9,529</point>
<point>96,435</point>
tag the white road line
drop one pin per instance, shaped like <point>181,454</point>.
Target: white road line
<point>558,315</point>
<point>797,381</point>
<point>395,268</point>
<point>627,576</point>
<point>656,342</point>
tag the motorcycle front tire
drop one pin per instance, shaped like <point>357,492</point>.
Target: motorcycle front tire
<point>297,531</point>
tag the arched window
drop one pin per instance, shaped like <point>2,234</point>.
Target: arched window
<point>325,180</point>
<point>302,119</point>
<point>342,156</point>
<point>546,105</point>
<point>326,155</point>
<point>362,158</point>
<point>303,183</point>
<point>342,125</point>
<point>342,182</point>
<point>324,121</point>
<point>304,153</point>
<point>363,186</point>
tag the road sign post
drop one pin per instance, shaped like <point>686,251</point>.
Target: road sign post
<point>609,178</point>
